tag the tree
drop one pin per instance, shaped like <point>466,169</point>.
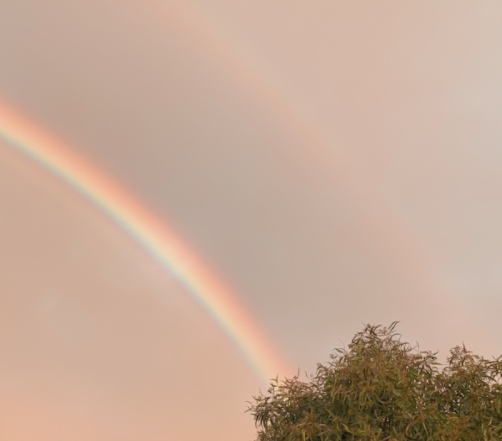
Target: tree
<point>383,389</point>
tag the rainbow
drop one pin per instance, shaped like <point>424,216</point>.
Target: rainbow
<point>255,80</point>
<point>155,236</point>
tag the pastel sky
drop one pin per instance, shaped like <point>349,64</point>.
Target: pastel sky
<point>333,163</point>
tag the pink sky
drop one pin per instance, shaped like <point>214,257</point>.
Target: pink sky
<point>336,163</point>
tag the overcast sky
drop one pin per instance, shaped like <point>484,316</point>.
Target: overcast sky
<point>334,162</point>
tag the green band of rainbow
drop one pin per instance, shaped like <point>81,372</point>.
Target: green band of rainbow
<point>155,236</point>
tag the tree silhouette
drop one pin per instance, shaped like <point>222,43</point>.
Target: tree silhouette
<point>383,389</point>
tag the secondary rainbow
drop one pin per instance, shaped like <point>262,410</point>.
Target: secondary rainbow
<point>154,235</point>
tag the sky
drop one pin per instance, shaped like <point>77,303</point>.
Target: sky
<point>327,164</point>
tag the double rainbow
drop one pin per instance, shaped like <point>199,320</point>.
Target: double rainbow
<point>154,235</point>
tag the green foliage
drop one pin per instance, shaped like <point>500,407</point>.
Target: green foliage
<point>382,389</point>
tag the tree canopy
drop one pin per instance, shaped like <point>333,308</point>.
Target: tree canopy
<point>383,389</point>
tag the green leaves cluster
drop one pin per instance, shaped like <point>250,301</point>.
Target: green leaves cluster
<point>382,389</point>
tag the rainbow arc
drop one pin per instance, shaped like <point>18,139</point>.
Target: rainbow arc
<point>154,235</point>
